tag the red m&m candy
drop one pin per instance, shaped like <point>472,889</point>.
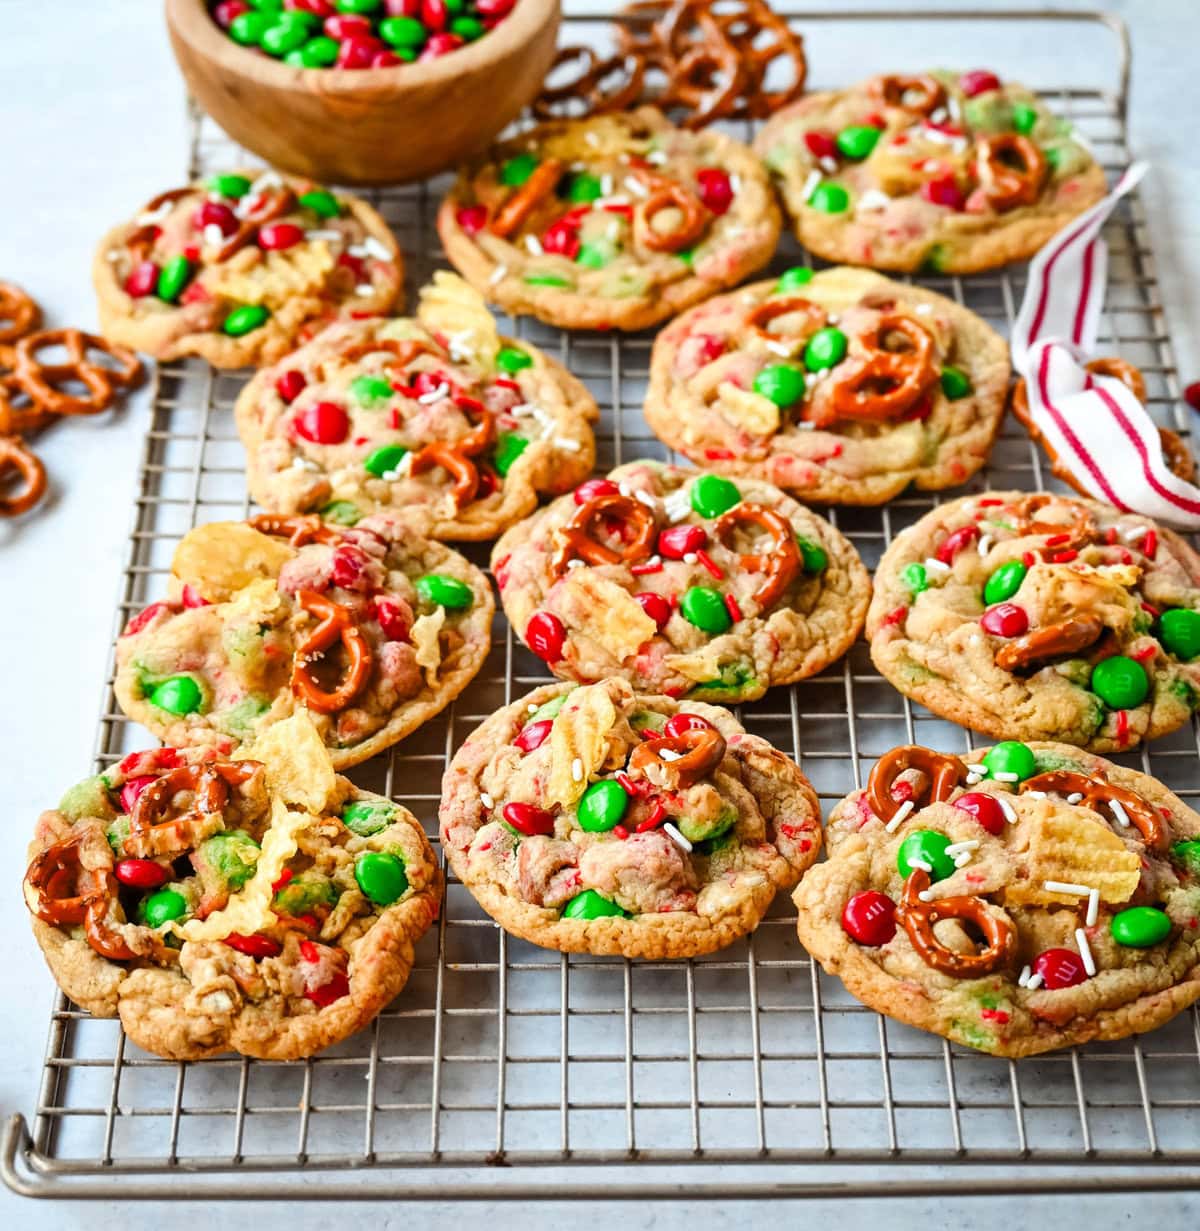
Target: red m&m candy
<point>562,237</point>
<point>656,607</point>
<point>216,214</point>
<point>391,619</point>
<point>593,488</point>
<point>821,144</point>
<point>472,218</point>
<point>978,81</point>
<point>140,873</point>
<point>870,918</point>
<point>545,636</point>
<point>290,385</point>
<point>528,820</point>
<point>1059,968</point>
<point>955,542</point>
<point>132,789</point>
<point>440,45</point>
<point>677,541</point>
<point>944,191</point>
<point>984,808</point>
<point>254,946</point>
<point>682,722</point>
<point>348,25</point>
<point>276,236</point>
<point>142,280</point>
<point>326,423</point>
<point>533,735</point>
<point>716,190</point>
<point>1005,620</point>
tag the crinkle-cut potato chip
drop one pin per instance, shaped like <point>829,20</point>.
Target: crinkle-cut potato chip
<point>758,415</point>
<point>455,310</point>
<point>609,613</point>
<point>220,558</point>
<point>297,762</point>
<point>259,600</point>
<point>702,666</point>
<point>1076,847</point>
<point>425,632</point>
<point>1054,592</point>
<point>580,733</point>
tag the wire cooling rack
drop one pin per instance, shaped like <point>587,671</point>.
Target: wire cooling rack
<point>505,1069</point>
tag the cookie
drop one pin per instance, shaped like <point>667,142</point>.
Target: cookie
<point>943,172</point>
<point>1027,898</point>
<point>437,418</point>
<point>595,820</point>
<point>1041,617</point>
<point>261,905</point>
<point>610,222</point>
<point>243,268</point>
<point>371,629</point>
<point>841,387</point>
<point>681,583</point>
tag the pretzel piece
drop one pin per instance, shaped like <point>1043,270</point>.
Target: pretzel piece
<point>943,773</point>
<point>336,624</point>
<point>920,94</point>
<point>510,217</point>
<point>919,918</point>
<point>43,381</point>
<point>690,227</point>
<point>757,322</point>
<point>1065,637</point>
<point>576,536</point>
<point>19,313</point>
<point>266,207</point>
<point>881,384</point>
<point>158,827</point>
<point>779,563</point>
<point>298,529</point>
<point>1096,792</point>
<point>1011,169</point>
<point>17,460</point>
<point>1080,531</point>
<point>697,752</point>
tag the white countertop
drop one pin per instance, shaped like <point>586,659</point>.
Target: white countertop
<point>91,108</point>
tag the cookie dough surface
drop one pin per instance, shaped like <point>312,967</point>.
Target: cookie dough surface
<point>231,650</point>
<point>273,920</point>
<point>762,383</point>
<point>574,833</point>
<point>242,268</point>
<point>731,588</point>
<point>438,419</point>
<point>1041,617</point>
<point>947,172</point>
<point>1027,848</point>
<point>611,222</point>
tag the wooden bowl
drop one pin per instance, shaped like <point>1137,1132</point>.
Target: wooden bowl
<point>366,126</point>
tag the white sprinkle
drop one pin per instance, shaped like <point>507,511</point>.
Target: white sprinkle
<point>577,770</point>
<point>392,475</point>
<point>574,564</point>
<point>434,395</point>
<point>614,199</point>
<point>872,201</point>
<point>213,235</point>
<point>533,245</point>
<point>567,445</point>
<point>833,319</point>
<point>359,250</point>
<point>531,708</point>
<point>778,348</point>
<point>1118,811</point>
<point>303,463</point>
<point>651,502</point>
<point>665,754</point>
<point>497,274</point>
<point>985,545</point>
<point>154,216</point>
<point>677,837</point>
<point>113,254</point>
<point>606,184</point>
<point>1066,887</point>
<point>1005,775</point>
<point>363,288</point>
<point>974,778</point>
<point>1034,982</point>
<point>591,138</point>
<point>961,861</point>
<point>1085,951</point>
<point>804,426</point>
<point>958,848</point>
<point>828,164</point>
<point>1009,812</point>
<point>1073,798</point>
<point>1093,910</point>
<point>612,232</point>
<point>927,895</point>
<point>486,800</point>
<point>625,490</point>
<point>635,185</point>
<point>377,248</point>
<point>935,135</point>
<point>1130,533</point>
<point>690,557</point>
<point>920,863</point>
<point>404,466</point>
<point>923,309</point>
<point>735,182</point>
<point>1035,794</point>
<point>955,109</point>
<point>266,181</point>
<point>901,812</point>
<point>323,233</point>
<point>810,184</point>
<point>936,566</point>
<point>657,158</point>
<point>1023,977</point>
<point>939,116</point>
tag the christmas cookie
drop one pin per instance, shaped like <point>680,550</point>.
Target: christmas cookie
<point>682,583</point>
<point>842,387</point>
<point>242,268</point>
<point>372,630</point>
<point>1041,616</point>
<point>438,418</point>
<point>262,905</point>
<point>945,172</point>
<point>1026,898</point>
<point>611,222</point>
<point>595,820</point>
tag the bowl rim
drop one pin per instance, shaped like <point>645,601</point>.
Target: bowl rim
<point>191,21</point>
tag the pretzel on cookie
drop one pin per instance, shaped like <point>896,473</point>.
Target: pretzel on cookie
<point>695,753</point>
<point>920,917</point>
<point>757,322</point>
<point>943,773</point>
<point>693,218</point>
<point>266,207</point>
<point>920,94</point>
<point>781,560</point>
<point>1065,637</point>
<point>335,624</point>
<point>541,183</point>
<point>156,827</point>
<point>1095,792</point>
<point>455,457</point>
<point>299,529</point>
<point>1011,169</point>
<point>1079,532</point>
<point>576,541</point>
<point>881,383</point>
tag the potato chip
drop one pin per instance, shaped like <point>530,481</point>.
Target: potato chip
<point>752,412</point>
<point>424,634</point>
<point>579,743</point>
<point>297,762</point>
<point>702,666</point>
<point>222,557</point>
<point>607,612</point>
<point>1052,593</point>
<point>454,311</point>
<point>1070,846</point>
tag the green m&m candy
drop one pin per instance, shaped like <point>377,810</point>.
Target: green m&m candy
<point>511,360</point>
<point>929,847</point>
<point>367,816</point>
<point>704,607</point>
<point>518,169</point>
<point>816,558</point>
<point>384,460</point>
<point>467,28</point>
<point>915,577</point>
<point>248,28</point>
<point>368,390</point>
<point>782,383</point>
<point>1187,855</point>
<point>1024,117</point>
<point>602,806</point>
<point>402,31</point>
<point>1010,757</point>
<point>380,875</point>
<point>583,189</point>
<point>509,446</point>
<point>856,141</point>
<point>590,905</point>
<point>232,186</point>
<point>285,34</point>
<point>1120,682</point>
<point>1004,582</point>
<point>956,383</point>
<point>1139,927</point>
<point>162,907</point>
<point>341,513</point>
<point>825,348</point>
<point>793,279</point>
<point>178,695</point>
<point>172,278</point>
<point>445,591</point>
<point>1179,628</point>
<point>319,52</point>
<point>246,319</point>
<point>710,495</point>
<point>322,203</point>
<point>829,198</point>
<point>295,59</point>
<point>592,256</point>
<point>357,6</point>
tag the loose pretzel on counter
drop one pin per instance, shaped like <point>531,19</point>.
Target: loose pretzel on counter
<point>919,918</point>
<point>17,460</point>
<point>19,313</point>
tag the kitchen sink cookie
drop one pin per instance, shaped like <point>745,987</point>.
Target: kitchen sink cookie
<point>437,418</point>
<point>610,222</point>
<point>595,820</point>
<point>1041,616</point>
<point>681,583</point>
<point>262,905</point>
<point>372,630</point>
<point>842,387</point>
<point>1029,897</point>
<point>242,268</point>
<point>946,172</point>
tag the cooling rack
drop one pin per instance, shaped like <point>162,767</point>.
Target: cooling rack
<point>508,1070</point>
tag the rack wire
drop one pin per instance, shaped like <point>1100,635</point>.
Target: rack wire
<point>508,1070</point>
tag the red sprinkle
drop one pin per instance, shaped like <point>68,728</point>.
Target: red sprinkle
<point>1055,539</point>
<point>621,832</point>
<point>284,878</point>
<point>1064,557</point>
<point>994,1015</point>
<point>533,735</point>
<point>895,617</point>
<point>707,560</point>
<point>617,208</point>
<point>1150,544</point>
<point>658,814</point>
<point>731,605</point>
<point>1146,652</point>
<point>1027,559</point>
<point>641,570</point>
<point>718,455</point>
<point>143,617</point>
<point>255,946</point>
<point>1122,726</point>
<point>988,502</point>
<point>1154,611</point>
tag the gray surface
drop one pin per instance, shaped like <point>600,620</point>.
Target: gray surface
<point>68,105</point>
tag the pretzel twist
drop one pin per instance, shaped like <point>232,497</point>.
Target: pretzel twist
<point>779,563</point>
<point>511,216</point>
<point>1011,170</point>
<point>943,773</point>
<point>881,384</point>
<point>699,750</point>
<point>919,918</point>
<point>692,222</point>
<point>156,827</point>
<point>576,536</point>
<point>455,456</point>
<point>19,313</point>
<point>1065,637</point>
<point>588,83</point>
<point>1080,531</point>
<point>1146,818</point>
<point>41,380</point>
<point>920,94</point>
<point>756,323</point>
<point>336,624</point>
<point>19,413</point>
<point>299,529</point>
<point>17,460</point>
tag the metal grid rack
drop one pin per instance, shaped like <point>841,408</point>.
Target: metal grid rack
<point>505,1069</point>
